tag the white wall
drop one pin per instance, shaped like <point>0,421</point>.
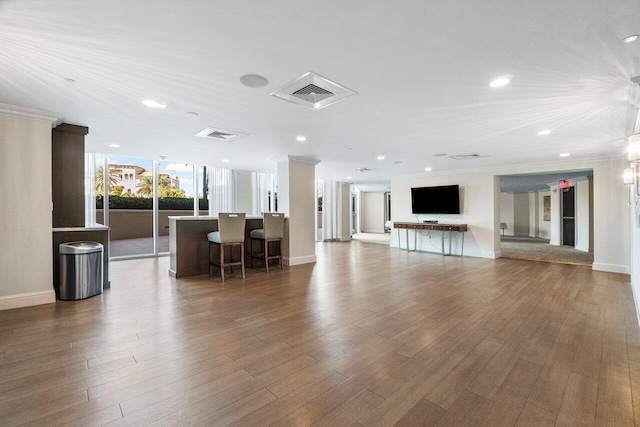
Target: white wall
<point>479,201</point>
<point>521,214</point>
<point>372,212</point>
<point>480,195</point>
<point>582,216</point>
<point>635,251</point>
<point>610,221</point>
<point>506,213</point>
<point>556,217</point>
<point>26,264</point>
<point>243,192</point>
<point>533,215</point>
<point>544,227</point>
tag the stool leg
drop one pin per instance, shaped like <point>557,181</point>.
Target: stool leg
<point>242,258</point>
<point>221,262</point>
<point>280,253</point>
<point>266,254</point>
<point>251,251</point>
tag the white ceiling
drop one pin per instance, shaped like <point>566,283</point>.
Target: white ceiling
<point>421,70</point>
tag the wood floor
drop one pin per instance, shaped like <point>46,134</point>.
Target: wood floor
<point>368,336</point>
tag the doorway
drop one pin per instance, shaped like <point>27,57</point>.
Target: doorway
<point>568,201</point>
<point>541,221</point>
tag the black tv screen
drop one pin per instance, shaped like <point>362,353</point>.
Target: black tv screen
<point>444,199</point>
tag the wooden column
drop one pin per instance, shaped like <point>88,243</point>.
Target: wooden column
<point>67,172</point>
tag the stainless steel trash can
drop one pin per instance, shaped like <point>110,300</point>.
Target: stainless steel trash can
<point>80,270</point>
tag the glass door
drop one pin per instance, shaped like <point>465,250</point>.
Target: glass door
<point>130,201</point>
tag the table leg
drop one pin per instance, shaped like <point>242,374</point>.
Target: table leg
<point>450,235</point>
<point>462,247</point>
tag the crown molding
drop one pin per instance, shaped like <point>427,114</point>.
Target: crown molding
<point>31,113</point>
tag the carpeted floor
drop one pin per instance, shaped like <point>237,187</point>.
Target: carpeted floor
<point>540,250</point>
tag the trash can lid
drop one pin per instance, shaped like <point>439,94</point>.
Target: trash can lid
<point>80,247</point>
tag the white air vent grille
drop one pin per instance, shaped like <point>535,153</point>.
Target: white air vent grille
<point>313,91</point>
<point>219,134</point>
<point>470,156</point>
<point>364,169</point>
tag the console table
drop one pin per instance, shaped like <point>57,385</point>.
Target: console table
<point>419,226</point>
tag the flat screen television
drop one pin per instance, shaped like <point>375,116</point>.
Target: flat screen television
<point>444,199</point>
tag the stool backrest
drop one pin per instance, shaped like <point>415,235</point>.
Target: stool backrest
<point>231,227</point>
<point>273,224</point>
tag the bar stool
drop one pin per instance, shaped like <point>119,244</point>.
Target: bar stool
<point>231,229</point>
<point>272,231</point>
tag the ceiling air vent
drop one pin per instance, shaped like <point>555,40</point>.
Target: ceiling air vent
<point>219,134</point>
<point>364,169</point>
<point>313,91</point>
<point>470,156</point>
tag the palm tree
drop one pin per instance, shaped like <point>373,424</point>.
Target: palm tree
<point>113,179</point>
<point>145,187</point>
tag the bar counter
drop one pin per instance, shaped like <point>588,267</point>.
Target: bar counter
<point>189,247</point>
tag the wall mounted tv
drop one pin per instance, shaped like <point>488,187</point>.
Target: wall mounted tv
<point>444,199</point>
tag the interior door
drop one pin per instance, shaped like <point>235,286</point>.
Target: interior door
<point>568,216</point>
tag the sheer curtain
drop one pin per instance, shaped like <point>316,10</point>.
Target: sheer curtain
<point>222,194</point>
<point>89,188</point>
<point>261,187</point>
<point>331,211</point>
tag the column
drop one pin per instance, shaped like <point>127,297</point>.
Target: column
<point>296,198</point>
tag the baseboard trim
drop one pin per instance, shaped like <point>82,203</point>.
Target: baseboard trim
<point>610,268</point>
<point>27,299</point>
<point>299,260</point>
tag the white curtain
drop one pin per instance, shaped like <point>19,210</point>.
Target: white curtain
<point>261,187</point>
<point>222,194</point>
<point>89,188</point>
<point>331,211</point>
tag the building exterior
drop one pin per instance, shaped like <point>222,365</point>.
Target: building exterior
<point>131,178</point>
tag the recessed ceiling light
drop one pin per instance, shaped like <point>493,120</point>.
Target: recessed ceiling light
<point>398,162</point>
<point>565,154</point>
<point>193,113</point>
<point>501,81</point>
<point>631,38</point>
<point>69,79</point>
<point>544,132</point>
<point>225,160</point>
<point>349,177</point>
<point>253,80</point>
<point>301,138</point>
<point>380,157</point>
<point>114,146</point>
<point>153,104</point>
<point>427,169</point>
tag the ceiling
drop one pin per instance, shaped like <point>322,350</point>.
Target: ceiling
<point>539,182</point>
<point>421,71</point>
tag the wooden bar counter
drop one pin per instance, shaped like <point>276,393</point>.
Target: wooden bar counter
<point>189,247</point>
